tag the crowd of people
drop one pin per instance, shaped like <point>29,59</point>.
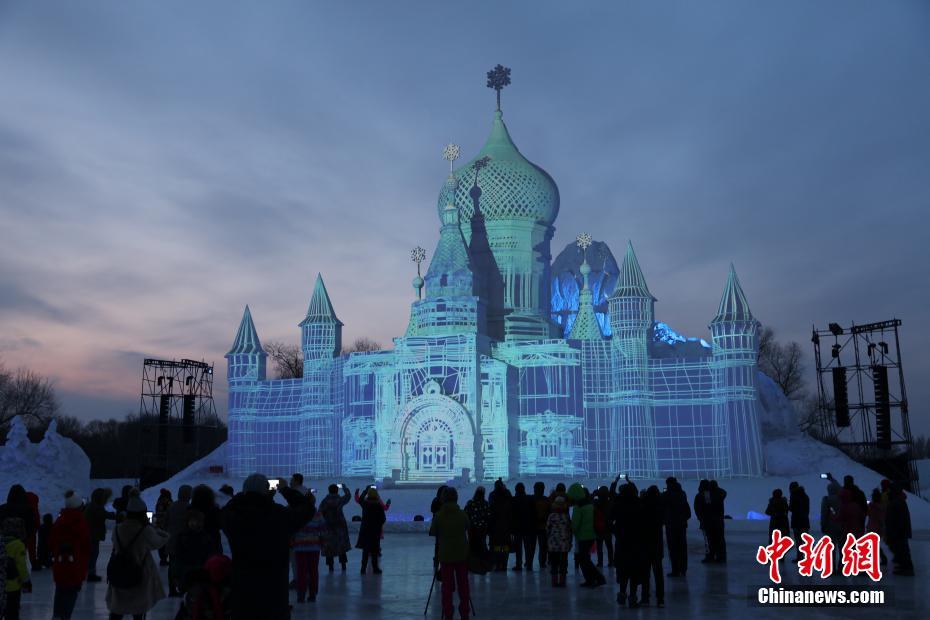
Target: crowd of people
<point>274,547</point>
<point>844,510</point>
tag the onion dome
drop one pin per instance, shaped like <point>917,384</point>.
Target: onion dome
<point>512,187</point>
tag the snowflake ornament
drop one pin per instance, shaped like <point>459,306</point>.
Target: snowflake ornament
<point>418,255</point>
<point>451,152</point>
<point>584,241</point>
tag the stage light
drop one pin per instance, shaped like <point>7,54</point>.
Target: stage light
<point>840,396</point>
<point>815,338</point>
<point>871,350</point>
<point>835,351</point>
<point>835,329</point>
<point>884,346</point>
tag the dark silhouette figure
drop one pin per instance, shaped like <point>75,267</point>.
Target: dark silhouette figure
<point>434,507</point>
<point>858,496</point>
<point>653,549</point>
<point>541,506</point>
<point>97,516</point>
<point>336,539</point>
<point>369,532</point>
<point>501,524</point>
<point>601,502</point>
<point>676,513</point>
<point>259,532</point>
<point>799,505</point>
<point>479,515</point>
<point>203,499</point>
<point>701,504</point>
<point>43,555</point>
<point>777,510</point>
<point>559,540</point>
<point>524,528</point>
<point>714,523</point>
<point>898,531</point>
<point>626,524</point>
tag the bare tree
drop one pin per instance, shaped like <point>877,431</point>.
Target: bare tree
<point>362,344</point>
<point>783,363</point>
<point>28,394</point>
<point>288,359</point>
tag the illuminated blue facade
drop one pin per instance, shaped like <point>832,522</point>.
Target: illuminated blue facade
<point>511,364</point>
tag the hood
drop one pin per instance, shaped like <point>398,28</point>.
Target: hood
<point>17,495</point>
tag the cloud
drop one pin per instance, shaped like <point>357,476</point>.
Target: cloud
<point>163,165</point>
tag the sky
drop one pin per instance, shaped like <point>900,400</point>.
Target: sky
<point>164,164</point>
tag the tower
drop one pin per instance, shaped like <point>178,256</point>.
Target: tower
<point>735,335</point>
<point>451,305</point>
<point>507,208</point>
<point>245,370</point>
<point>321,342</point>
<point>631,317</point>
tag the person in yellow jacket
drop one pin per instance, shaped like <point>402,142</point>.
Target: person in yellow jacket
<point>17,574</point>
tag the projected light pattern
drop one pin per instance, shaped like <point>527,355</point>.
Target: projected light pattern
<point>509,366</point>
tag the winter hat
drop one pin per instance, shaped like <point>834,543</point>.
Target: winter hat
<point>135,503</point>
<point>72,500</point>
<point>256,483</point>
<point>372,495</point>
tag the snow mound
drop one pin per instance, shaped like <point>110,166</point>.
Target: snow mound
<point>196,473</point>
<point>779,417</point>
<point>48,468</point>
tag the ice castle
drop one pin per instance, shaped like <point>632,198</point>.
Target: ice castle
<point>511,365</point>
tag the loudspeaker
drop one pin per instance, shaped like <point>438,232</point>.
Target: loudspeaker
<point>840,396</point>
<point>187,419</point>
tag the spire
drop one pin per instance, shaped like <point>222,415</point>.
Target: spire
<point>585,326</point>
<point>630,280</point>
<point>246,338</point>
<point>321,308</point>
<point>733,304</point>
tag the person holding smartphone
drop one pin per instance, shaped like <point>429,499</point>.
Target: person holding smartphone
<point>336,537</point>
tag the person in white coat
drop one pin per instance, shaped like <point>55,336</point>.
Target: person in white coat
<point>138,537</point>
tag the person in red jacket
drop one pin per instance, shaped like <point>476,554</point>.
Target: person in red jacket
<point>69,544</point>
<point>850,518</point>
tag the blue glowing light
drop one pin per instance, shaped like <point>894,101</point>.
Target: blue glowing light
<point>511,365</point>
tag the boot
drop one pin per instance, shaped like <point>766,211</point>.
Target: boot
<point>374,566</point>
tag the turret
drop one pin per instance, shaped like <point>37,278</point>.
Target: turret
<point>245,368</point>
<point>246,359</point>
<point>631,317</point>
<point>735,335</point>
<point>320,331</point>
<point>631,305</point>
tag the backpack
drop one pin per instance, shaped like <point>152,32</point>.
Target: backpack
<point>123,571</point>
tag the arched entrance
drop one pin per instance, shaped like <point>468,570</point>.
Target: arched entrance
<point>437,439</point>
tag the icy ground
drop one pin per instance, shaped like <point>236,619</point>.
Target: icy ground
<point>400,593</point>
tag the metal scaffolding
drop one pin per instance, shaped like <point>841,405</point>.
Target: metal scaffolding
<point>177,416</point>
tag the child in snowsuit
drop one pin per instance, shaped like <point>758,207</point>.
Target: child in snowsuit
<point>559,540</point>
<point>17,573</point>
